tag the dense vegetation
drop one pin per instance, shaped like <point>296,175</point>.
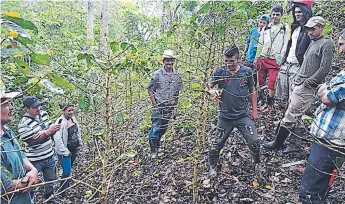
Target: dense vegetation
<point>57,59</point>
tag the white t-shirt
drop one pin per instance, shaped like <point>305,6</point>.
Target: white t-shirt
<point>291,58</point>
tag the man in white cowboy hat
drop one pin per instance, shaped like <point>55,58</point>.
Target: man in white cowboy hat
<point>163,89</point>
<point>17,172</point>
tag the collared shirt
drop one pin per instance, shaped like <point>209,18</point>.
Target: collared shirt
<point>329,121</point>
<point>12,167</point>
<point>235,91</point>
<point>165,87</point>
<point>273,41</point>
<point>252,41</point>
<point>36,149</point>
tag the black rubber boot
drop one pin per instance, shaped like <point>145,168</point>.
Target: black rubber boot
<point>270,101</point>
<point>294,141</point>
<point>261,98</point>
<point>214,157</point>
<point>278,143</point>
<point>154,143</point>
<point>255,149</point>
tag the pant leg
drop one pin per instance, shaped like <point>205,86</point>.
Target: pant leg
<point>322,161</point>
<point>248,129</point>
<point>224,128</point>
<point>282,85</point>
<point>66,164</point>
<point>301,99</point>
<point>49,174</point>
<point>38,165</point>
<point>262,72</point>
<point>160,119</point>
<point>272,74</point>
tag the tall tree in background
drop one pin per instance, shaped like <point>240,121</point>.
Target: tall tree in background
<point>90,19</point>
<point>104,27</point>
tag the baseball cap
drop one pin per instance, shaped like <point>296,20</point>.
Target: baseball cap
<point>31,102</point>
<point>313,21</point>
<point>265,17</point>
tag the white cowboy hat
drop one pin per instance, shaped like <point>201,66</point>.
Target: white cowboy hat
<point>6,95</point>
<point>168,54</point>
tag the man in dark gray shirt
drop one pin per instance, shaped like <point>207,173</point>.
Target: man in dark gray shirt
<point>235,87</point>
<point>314,69</point>
<point>163,89</point>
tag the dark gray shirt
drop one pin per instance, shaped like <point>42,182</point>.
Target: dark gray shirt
<point>165,87</point>
<point>317,62</point>
<point>235,91</point>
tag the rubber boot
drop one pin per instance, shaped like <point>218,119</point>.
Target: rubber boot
<point>295,142</point>
<point>214,157</point>
<point>270,101</point>
<point>261,99</point>
<point>278,143</point>
<point>154,143</point>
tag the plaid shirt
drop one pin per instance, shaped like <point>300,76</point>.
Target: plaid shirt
<point>329,121</point>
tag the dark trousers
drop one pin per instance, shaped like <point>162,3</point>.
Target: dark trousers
<point>321,163</point>
<point>48,168</point>
<point>160,118</point>
<point>245,125</point>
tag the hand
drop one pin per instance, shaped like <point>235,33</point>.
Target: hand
<point>39,134</point>
<point>321,89</point>
<point>31,177</point>
<point>255,62</point>
<point>255,115</point>
<point>53,129</point>
<point>216,94</point>
<point>155,106</point>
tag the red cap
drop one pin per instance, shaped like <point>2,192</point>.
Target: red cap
<point>306,2</point>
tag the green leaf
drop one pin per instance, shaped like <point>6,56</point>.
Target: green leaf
<point>22,23</point>
<point>85,137</point>
<point>196,86</point>
<point>24,40</point>
<point>342,9</point>
<point>221,31</point>
<point>204,8</point>
<point>23,67</point>
<point>59,81</point>
<point>89,60</point>
<point>114,46</point>
<point>120,117</point>
<point>84,103</point>
<point>81,56</point>
<point>124,45</point>
<point>40,58</point>
<point>133,49</point>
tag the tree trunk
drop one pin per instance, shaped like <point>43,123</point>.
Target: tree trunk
<point>104,28</point>
<point>90,19</point>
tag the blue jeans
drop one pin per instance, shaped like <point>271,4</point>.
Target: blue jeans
<point>322,161</point>
<point>47,167</point>
<point>66,165</point>
<point>160,119</point>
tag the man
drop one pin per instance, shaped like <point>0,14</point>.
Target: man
<point>292,61</point>
<point>36,129</point>
<point>315,67</point>
<point>328,152</point>
<point>235,85</point>
<point>252,44</point>
<point>297,45</point>
<point>272,46</point>
<point>17,173</point>
<point>163,89</point>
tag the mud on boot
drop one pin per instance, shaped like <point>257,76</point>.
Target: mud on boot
<point>154,144</point>
<point>214,157</point>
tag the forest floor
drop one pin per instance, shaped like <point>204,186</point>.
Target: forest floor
<point>135,178</point>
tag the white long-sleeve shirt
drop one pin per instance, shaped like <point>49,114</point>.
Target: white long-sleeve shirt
<point>273,41</point>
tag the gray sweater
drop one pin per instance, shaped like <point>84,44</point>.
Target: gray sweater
<point>317,62</point>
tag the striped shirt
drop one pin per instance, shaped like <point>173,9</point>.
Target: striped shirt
<point>40,148</point>
<point>329,121</point>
